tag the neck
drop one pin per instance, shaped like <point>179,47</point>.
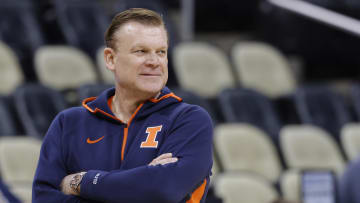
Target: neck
<point>125,103</point>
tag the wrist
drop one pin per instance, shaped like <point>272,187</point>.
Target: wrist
<point>76,181</point>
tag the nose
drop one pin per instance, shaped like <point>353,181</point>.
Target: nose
<point>152,60</point>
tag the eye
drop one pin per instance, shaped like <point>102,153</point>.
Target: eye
<point>162,52</point>
<point>140,51</point>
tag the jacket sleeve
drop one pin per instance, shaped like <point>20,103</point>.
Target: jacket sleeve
<point>189,139</point>
<point>51,169</point>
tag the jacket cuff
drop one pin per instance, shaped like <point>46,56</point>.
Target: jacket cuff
<point>89,184</point>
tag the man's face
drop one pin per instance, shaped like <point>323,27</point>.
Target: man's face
<point>140,62</point>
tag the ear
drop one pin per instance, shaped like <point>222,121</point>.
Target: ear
<point>109,57</point>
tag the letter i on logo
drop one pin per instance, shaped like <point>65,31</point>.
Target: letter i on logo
<point>150,141</point>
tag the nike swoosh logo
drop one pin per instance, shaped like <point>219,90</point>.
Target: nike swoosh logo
<point>94,141</point>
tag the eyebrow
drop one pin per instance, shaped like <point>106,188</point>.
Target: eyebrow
<point>139,46</point>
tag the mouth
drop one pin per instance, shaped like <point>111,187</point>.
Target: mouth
<point>150,75</point>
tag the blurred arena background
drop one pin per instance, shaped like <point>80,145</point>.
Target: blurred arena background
<point>280,79</point>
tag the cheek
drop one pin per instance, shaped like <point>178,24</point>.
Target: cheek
<point>165,65</point>
<point>127,64</point>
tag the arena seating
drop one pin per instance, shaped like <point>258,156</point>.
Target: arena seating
<point>244,187</point>
<point>37,106</point>
<point>248,106</point>
<point>321,106</point>
<point>264,68</point>
<point>75,17</point>
<point>310,147</point>
<point>7,122</point>
<point>16,19</point>
<point>64,67</point>
<point>18,160</point>
<point>243,147</point>
<point>350,140</point>
<point>11,74</point>
<point>202,68</point>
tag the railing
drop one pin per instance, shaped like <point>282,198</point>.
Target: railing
<point>299,7</point>
<point>187,19</point>
<point>320,14</point>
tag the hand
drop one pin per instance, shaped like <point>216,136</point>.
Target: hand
<point>163,159</point>
<point>65,185</point>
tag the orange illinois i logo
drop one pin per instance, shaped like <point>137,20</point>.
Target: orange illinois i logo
<point>150,141</point>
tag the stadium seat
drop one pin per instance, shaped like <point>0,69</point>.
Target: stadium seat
<point>6,195</point>
<point>310,147</point>
<point>202,68</point>
<point>83,23</point>
<point>37,106</point>
<point>242,147</point>
<point>264,68</point>
<point>309,185</point>
<point>243,187</point>
<point>350,140</point>
<point>290,182</point>
<point>7,122</point>
<point>349,183</point>
<point>64,67</point>
<point>319,105</point>
<point>20,30</point>
<point>286,109</point>
<point>215,169</point>
<point>11,74</point>
<point>192,98</point>
<point>23,192</point>
<point>249,106</point>
<point>91,90</point>
<point>18,160</point>
<point>355,99</point>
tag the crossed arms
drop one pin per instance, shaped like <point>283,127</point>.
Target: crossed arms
<point>167,178</point>
<point>66,182</point>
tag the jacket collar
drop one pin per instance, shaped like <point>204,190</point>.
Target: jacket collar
<point>99,106</point>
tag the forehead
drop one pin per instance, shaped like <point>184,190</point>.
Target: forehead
<point>134,33</point>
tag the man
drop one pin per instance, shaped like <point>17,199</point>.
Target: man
<point>136,142</point>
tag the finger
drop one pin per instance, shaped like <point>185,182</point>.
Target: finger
<point>166,161</point>
<point>157,162</point>
<point>65,185</point>
<point>163,156</point>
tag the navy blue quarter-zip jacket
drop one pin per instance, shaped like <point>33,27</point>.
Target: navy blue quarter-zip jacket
<point>116,155</point>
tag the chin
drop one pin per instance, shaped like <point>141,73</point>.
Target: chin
<point>151,89</point>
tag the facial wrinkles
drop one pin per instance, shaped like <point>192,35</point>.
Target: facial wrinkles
<point>148,33</point>
<point>152,39</point>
